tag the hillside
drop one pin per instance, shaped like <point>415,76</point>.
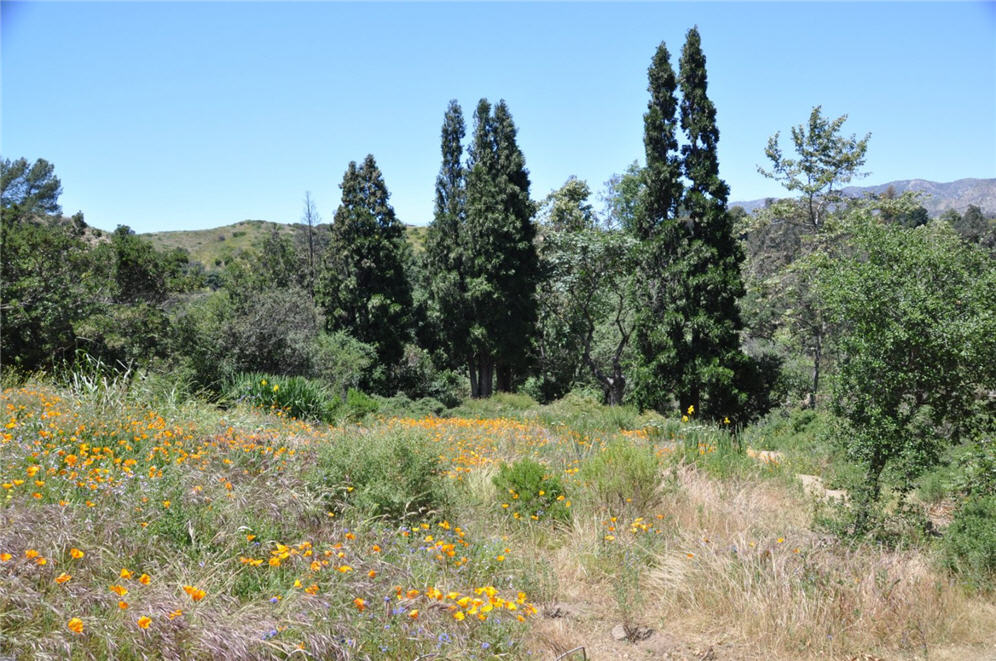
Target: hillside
<point>937,197</point>
<point>212,247</point>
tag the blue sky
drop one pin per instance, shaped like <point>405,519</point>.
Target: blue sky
<point>181,115</point>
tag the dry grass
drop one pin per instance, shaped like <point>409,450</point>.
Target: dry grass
<point>743,576</point>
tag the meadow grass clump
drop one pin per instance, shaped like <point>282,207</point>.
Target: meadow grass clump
<point>623,476</point>
<point>384,472</point>
<point>296,396</point>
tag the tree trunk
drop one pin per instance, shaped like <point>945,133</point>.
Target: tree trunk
<point>504,378</point>
<point>817,360</point>
<point>616,387</point>
<point>475,392</point>
<point>487,377</point>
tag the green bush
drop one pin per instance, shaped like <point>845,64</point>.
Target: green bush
<point>400,406</point>
<point>384,473</point>
<point>970,543</point>
<point>297,396</point>
<point>623,475</point>
<point>530,491</point>
<point>359,406</point>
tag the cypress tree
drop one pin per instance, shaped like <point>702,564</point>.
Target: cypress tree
<point>364,286</point>
<point>444,263</point>
<point>658,326</point>
<point>712,257</point>
<point>689,278</point>
<point>501,262</point>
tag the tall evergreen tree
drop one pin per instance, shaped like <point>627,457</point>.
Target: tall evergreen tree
<point>688,330</point>
<point>447,285</point>
<point>501,262</point>
<point>659,331</point>
<point>364,287</point>
<point>713,256</point>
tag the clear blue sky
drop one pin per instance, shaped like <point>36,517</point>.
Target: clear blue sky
<point>187,115</point>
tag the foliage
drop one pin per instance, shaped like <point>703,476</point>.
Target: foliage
<point>688,283</point>
<point>363,288</point>
<point>359,405</point>
<point>624,476</point>
<point>28,191</point>
<point>501,263</point>
<point>444,248</point>
<point>825,162</point>
<point>917,350</point>
<point>47,285</point>
<point>390,474</point>
<point>528,490</point>
<point>341,360</point>
<point>783,235</point>
<point>969,542</point>
<point>585,321</point>
<point>297,396</point>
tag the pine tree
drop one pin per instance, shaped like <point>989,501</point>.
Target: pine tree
<point>364,286</point>
<point>501,262</point>
<point>444,263</point>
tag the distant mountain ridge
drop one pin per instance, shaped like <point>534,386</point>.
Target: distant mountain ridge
<point>937,198</point>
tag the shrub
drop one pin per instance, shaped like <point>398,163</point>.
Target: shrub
<point>400,406</point>
<point>385,473</point>
<point>359,406</point>
<point>298,396</point>
<point>624,474</point>
<point>530,491</point>
<point>970,542</point>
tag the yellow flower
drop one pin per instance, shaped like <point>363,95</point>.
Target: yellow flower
<point>175,614</point>
<point>144,622</point>
<point>344,568</point>
<point>312,589</point>
<point>372,573</point>
<point>62,578</point>
<point>4,557</point>
<point>691,409</point>
<point>413,614</point>
<point>126,573</point>
<point>30,553</point>
<point>75,625</point>
<point>275,387</point>
<point>76,553</point>
<point>274,561</point>
<point>458,616</point>
<point>684,418</point>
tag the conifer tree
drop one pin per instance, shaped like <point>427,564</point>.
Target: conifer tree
<point>364,286</point>
<point>713,255</point>
<point>444,260</point>
<point>501,262</point>
<point>659,331</point>
<point>688,332</point>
